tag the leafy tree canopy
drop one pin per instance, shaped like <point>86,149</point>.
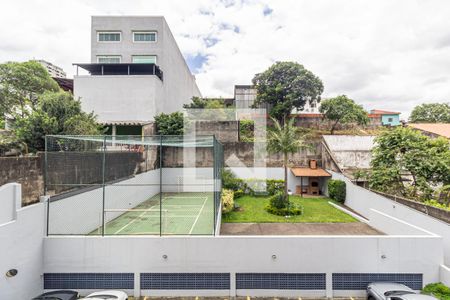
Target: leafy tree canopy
<point>404,153</point>
<point>169,124</point>
<point>21,84</point>
<point>285,86</point>
<point>198,102</point>
<point>55,113</point>
<point>431,113</point>
<point>342,110</point>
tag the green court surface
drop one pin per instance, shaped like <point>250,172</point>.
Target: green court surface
<point>166,214</point>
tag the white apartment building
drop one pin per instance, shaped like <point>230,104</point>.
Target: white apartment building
<point>136,72</point>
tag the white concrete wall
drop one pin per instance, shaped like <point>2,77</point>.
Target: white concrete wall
<point>193,179</point>
<point>393,226</point>
<point>445,275</point>
<point>10,201</point>
<point>269,173</point>
<point>21,248</point>
<point>120,97</point>
<point>362,201</point>
<point>82,213</point>
<point>294,254</point>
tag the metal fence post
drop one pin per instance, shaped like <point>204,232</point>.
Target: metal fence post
<point>45,183</point>
<point>160,185</point>
<point>103,185</point>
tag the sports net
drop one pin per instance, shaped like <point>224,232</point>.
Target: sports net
<point>133,185</point>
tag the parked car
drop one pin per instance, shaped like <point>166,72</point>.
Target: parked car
<point>58,295</point>
<point>393,291</point>
<point>106,295</point>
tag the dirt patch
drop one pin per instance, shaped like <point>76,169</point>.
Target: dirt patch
<point>356,228</point>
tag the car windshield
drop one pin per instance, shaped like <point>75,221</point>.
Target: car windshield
<point>106,297</point>
<point>397,293</point>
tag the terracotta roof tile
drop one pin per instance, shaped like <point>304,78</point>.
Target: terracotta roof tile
<point>308,172</point>
<point>442,129</point>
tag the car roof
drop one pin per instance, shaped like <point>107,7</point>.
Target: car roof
<point>383,287</point>
<point>418,297</point>
<point>62,294</point>
<point>118,294</point>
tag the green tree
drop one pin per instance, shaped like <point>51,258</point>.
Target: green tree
<point>285,86</point>
<point>170,124</point>
<point>405,153</point>
<point>285,139</point>
<point>342,110</point>
<point>21,84</point>
<point>198,102</point>
<point>55,113</point>
<point>431,113</point>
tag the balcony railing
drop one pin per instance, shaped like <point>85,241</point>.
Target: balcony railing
<point>100,69</point>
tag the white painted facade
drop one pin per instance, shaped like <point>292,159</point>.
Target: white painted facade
<point>21,245</point>
<point>135,98</point>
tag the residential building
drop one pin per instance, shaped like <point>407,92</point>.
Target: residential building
<point>433,129</point>
<point>388,118</point>
<point>136,72</point>
<point>52,69</point>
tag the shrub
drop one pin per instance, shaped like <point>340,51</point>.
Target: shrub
<point>438,290</point>
<point>274,186</point>
<point>278,201</point>
<point>287,211</point>
<point>231,182</point>
<point>227,200</point>
<point>170,124</point>
<point>246,130</point>
<point>336,190</point>
<point>238,194</point>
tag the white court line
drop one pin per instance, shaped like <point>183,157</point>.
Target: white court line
<point>199,213</point>
<point>154,208</point>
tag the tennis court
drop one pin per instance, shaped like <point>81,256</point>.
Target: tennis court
<point>186,213</point>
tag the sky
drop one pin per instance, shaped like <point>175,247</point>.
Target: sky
<point>389,55</point>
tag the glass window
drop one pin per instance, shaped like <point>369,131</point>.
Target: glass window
<point>144,59</point>
<point>108,59</point>
<point>144,36</point>
<point>390,119</point>
<point>109,36</point>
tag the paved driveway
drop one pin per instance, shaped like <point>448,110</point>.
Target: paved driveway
<point>355,228</point>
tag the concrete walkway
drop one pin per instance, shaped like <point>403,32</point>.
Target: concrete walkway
<point>356,228</point>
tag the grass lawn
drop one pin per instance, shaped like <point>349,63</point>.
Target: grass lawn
<point>315,210</point>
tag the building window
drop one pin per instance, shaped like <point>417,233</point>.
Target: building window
<point>390,120</point>
<point>109,59</point>
<point>108,36</point>
<point>144,37</point>
<point>144,59</point>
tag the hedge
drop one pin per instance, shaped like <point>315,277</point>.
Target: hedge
<point>248,186</point>
<point>227,200</point>
<point>337,190</point>
<point>438,290</point>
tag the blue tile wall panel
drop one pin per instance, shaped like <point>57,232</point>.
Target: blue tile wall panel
<point>281,281</point>
<point>185,281</point>
<point>359,281</point>
<point>88,281</point>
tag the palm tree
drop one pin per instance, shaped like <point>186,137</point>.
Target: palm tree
<point>287,140</point>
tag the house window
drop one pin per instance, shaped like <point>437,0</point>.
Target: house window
<point>144,37</point>
<point>109,59</point>
<point>108,36</point>
<point>144,59</point>
<point>390,120</point>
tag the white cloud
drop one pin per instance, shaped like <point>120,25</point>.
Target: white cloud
<point>384,54</point>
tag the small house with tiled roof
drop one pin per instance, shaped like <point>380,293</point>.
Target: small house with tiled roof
<point>388,118</point>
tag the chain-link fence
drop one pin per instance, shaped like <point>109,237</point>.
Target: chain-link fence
<point>133,185</point>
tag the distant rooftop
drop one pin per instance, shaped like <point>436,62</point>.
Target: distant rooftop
<point>383,112</point>
<point>442,129</point>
